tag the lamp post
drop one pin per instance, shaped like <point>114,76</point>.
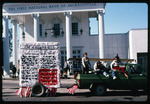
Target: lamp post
<point>81,31</point>
<point>62,33</point>
<point>45,34</point>
<point>23,35</point>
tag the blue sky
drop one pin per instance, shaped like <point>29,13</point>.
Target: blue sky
<point>122,17</point>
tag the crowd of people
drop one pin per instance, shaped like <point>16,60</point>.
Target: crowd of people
<point>99,67</point>
<point>14,70</point>
<point>66,70</point>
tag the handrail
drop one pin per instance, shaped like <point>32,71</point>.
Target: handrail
<point>98,59</point>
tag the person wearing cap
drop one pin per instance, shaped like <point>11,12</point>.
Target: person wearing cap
<point>115,62</point>
<point>100,68</point>
<point>86,63</point>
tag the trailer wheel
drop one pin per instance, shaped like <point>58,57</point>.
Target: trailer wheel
<point>100,90</point>
<point>38,90</point>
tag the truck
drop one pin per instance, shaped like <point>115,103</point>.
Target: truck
<point>98,83</point>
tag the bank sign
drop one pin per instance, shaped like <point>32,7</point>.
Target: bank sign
<point>51,7</point>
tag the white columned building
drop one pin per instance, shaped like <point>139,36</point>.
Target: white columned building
<point>131,46</point>
<point>70,24</point>
<point>36,26</point>
<point>68,35</point>
<point>69,21</point>
<point>101,32</point>
<point>15,43</point>
<point>6,66</point>
<point>21,32</point>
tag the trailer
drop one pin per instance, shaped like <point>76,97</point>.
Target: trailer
<point>39,69</point>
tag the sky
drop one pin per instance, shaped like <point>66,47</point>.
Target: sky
<point>122,17</point>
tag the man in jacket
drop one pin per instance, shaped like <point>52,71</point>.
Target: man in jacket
<point>100,68</point>
<point>86,63</point>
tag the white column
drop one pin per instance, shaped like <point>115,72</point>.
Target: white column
<point>21,31</point>
<point>6,66</point>
<point>101,32</point>
<point>68,34</point>
<point>15,43</point>
<point>36,26</point>
<point>130,45</point>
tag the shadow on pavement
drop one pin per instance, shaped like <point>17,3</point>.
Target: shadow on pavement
<point>6,92</point>
<point>125,93</point>
<point>8,95</point>
<point>12,88</point>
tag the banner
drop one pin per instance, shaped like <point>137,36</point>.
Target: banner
<point>35,56</point>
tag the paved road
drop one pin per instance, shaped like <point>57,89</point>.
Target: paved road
<point>9,87</point>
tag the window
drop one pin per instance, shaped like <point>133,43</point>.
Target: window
<point>56,29</point>
<point>40,26</point>
<point>93,26</point>
<point>62,61</point>
<point>78,51</point>
<point>63,58</point>
<point>76,54</point>
<point>62,52</point>
<point>74,28</point>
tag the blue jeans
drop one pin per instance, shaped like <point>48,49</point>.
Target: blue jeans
<point>102,72</point>
<point>113,73</point>
<point>105,74</point>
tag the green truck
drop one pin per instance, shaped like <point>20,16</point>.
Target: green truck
<point>98,83</point>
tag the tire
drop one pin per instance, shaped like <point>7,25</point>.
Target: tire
<point>100,90</point>
<point>38,90</point>
<point>91,90</point>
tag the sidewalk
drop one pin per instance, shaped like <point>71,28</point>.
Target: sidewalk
<point>69,77</point>
<point>10,78</point>
<point>11,85</point>
<point>17,78</point>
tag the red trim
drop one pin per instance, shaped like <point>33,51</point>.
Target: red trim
<point>120,69</point>
<point>48,76</point>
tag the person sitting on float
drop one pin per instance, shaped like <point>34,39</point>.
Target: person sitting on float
<point>99,68</point>
<point>115,63</point>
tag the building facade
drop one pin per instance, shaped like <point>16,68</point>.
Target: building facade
<point>67,23</point>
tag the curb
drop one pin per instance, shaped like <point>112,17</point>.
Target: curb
<point>10,78</point>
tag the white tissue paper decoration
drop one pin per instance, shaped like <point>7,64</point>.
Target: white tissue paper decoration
<point>35,56</point>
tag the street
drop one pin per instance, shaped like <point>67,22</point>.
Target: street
<point>10,86</point>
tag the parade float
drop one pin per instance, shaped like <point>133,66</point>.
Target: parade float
<point>39,69</point>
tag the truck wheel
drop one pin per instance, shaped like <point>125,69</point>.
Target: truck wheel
<point>92,90</point>
<point>38,90</point>
<point>100,90</point>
